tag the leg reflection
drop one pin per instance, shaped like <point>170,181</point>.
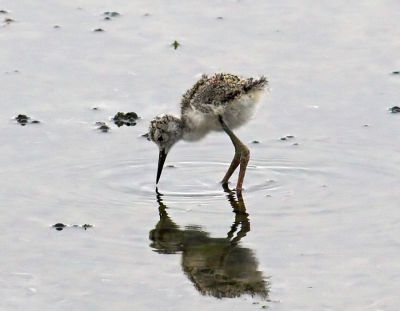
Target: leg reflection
<point>219,267</point>
<point>241,216</point>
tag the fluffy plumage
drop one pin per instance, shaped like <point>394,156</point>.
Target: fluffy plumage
<point>222,98</point>
<point>228,95</point>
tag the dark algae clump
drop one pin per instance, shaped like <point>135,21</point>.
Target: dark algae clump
<point>394,109</point>
<point>287,137</point>
<point>175,44</point>
<point>128,119</point>
<point>24,120</point>
<point>103,127</point>
<point>111,14</point>
<point>60,226</point>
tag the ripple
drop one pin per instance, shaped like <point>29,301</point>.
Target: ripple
<point>187,181</point>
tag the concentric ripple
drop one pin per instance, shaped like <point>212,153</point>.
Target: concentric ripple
<point>193,180</point>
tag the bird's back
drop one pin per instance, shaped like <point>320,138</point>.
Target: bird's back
<point>225,95</point>
<point>219,90</point>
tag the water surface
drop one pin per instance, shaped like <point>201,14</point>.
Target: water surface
<point>317,226</point>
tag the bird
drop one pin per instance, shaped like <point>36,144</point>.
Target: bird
<point>221,102</point>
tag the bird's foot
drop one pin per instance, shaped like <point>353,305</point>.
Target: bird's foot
<point>225,185</point>
<point>239,190</point>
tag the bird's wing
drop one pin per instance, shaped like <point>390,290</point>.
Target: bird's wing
<point>219,90</point>
<point>190,93</point>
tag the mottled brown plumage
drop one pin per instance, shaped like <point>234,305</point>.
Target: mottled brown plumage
<point>220,89</point>
<point>221,102</point>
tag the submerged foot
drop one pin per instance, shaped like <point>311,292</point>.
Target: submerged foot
<point>224,185</point>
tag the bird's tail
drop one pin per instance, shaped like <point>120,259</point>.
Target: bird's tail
<point>256,83</point>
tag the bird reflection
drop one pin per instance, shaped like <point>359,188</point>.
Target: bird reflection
<point>219,267</point>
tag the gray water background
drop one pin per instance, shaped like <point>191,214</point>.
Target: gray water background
<point>323,206</point>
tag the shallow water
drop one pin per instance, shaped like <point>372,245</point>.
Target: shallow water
<point>318,225</point>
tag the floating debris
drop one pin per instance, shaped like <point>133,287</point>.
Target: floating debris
<point>24,120</point>
<point>60,226</point>
<point>146,14</point>
<point>98,30</point>
<point>220,17</point>
<point>95,108</point>
<point>9,72</point>
<point>102,126</point>
<point>287,137</point>
<point>56,26</point>
<point>111,14</point>
<point>128,119</point>
<point>255,142</point>
<point>396,73</point>
<point>9,20</point>
<point>175,44</point>
<point>394,109</point>
<point>171,166</point>
<point>3,12</point>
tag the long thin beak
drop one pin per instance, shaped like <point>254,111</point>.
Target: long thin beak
<point>161,159</point>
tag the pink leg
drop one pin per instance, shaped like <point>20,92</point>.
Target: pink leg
<point>242,156</point>
<point>244,159</point>
<point>235,163</point>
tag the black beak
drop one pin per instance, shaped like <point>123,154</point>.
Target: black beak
<point>161,160</point>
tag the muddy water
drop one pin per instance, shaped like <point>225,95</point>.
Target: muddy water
<point>317,226</point>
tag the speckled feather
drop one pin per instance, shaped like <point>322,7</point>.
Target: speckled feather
<point>165,128</point>
<point>222,102</point>
<point>220,89</point>
<point>227,95</point>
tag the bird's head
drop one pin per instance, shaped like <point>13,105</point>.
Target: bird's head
<point>165,131</point>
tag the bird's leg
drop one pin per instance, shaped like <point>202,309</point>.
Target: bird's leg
<point>242,156</point>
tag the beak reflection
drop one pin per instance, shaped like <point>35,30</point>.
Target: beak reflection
<point>161,160</point>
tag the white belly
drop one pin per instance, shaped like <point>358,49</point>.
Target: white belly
<point>235,114</point>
